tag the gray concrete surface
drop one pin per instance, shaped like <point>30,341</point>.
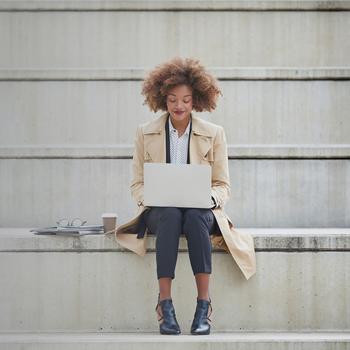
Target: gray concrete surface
<point>151,5</point>
<point>88,284</point>
<point>224,341</point>
<point>285,96</point>
<point>106,113</point>
<point>70,89</point>
<point>249,38</point>
<point>138,74</point>
<point>235,151</point>
<point>19,239</point>
<point>264,192</point>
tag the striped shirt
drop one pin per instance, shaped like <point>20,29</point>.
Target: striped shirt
<point>178,145</point>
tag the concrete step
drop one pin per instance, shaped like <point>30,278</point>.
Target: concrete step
<point>265,192</point>
<point>249,38</point>
<point>90,283</point>
<point>282,105</point>
<point>155,341</point>
<point>190,5</point>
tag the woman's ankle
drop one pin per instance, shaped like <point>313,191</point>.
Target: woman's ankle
<point>164,296</point>
<point>203,296</point>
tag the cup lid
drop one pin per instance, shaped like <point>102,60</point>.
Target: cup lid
<point>109,215</point>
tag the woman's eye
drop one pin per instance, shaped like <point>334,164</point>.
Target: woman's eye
<point>174,101</point>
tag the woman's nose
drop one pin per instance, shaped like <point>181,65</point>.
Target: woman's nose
<point>178,104</point>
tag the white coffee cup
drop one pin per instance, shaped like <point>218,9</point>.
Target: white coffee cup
<point>109,221</point>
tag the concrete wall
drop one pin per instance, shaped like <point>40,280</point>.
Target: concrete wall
<point>265,192</point>
<point>278,112</point>
<point>90,284</point>
<point>70,81</point>
<point>139,38</point>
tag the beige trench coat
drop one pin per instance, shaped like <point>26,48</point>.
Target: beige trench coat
<point>207,146</point>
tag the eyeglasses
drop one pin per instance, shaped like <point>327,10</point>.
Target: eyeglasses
<point>76,222</point>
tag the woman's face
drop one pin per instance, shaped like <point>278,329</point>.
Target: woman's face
<point>179,102</point>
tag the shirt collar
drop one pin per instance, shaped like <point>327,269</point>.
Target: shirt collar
<point>187,131</point>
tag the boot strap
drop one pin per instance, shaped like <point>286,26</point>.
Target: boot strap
<point>211,311</point>
<point>158,314</point>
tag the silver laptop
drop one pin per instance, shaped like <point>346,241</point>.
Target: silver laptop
<point>177,185</point>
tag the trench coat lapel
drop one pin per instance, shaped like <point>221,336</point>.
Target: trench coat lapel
<point>199,143</point>
<point>154,141</point>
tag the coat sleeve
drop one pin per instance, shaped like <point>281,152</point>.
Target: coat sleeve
<point>136,185</point>
<point>221,188</point>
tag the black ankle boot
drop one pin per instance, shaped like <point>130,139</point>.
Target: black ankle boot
<point>200,324</point>
<point>169,324</point>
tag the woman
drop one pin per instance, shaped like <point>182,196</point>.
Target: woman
<point>177,136</point>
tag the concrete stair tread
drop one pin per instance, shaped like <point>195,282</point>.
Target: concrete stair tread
<point>138,73</point>
<point>84,284</point>
<point>265,239</point>
<point>101,337</point>
<point>149,5</point>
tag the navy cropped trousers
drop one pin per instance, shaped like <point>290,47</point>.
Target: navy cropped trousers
<point>167,224</point>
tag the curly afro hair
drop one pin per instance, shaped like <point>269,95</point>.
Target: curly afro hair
<point>178,71</point>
